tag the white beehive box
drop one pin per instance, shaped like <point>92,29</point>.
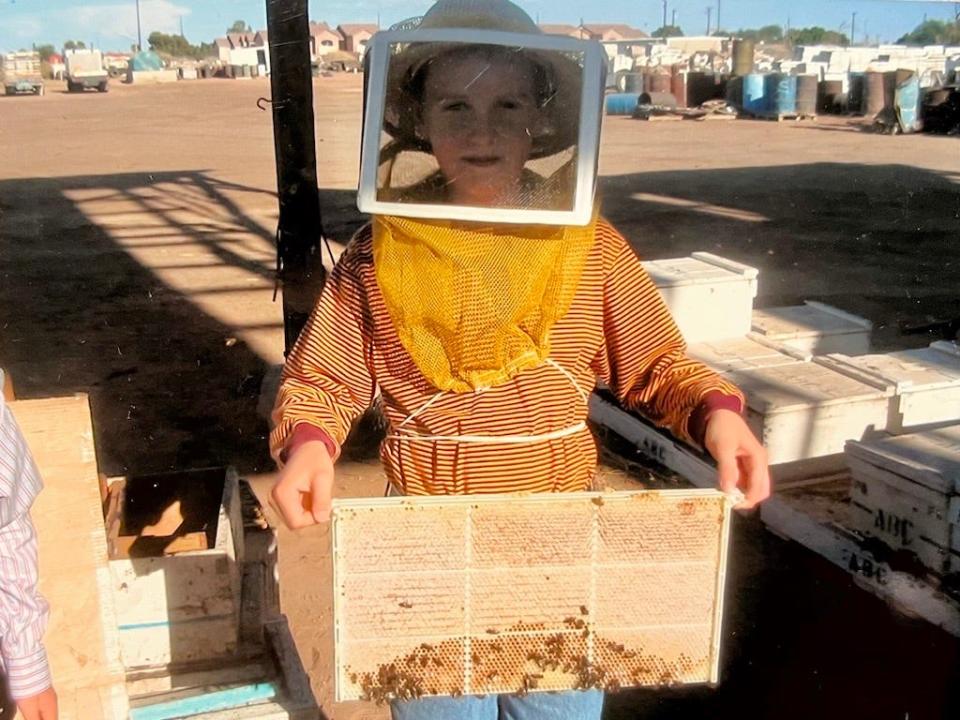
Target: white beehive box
<point>805,410</point>
<point>814,328</point>
<point>744,353</point>
<point>177,593</point>
<point>926,382</point>
<point>710,297</point>
<point>906,493</point>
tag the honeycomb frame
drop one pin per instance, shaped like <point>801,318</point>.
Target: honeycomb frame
<point>592,590</point>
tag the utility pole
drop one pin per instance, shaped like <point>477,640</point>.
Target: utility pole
<point>139,38</point>
<point>300,272</point>
<point>181,28</point>
<point>853,29</point>
<point>673,17</point>
<point>718,16</point>
<point>709,13</point>
<point>664,13</point>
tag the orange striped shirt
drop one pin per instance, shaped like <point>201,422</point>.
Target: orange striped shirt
<point>617,329</point>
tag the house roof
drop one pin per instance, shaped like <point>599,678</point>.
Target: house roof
<point>222,42</point>
<point>321,28</point>
<point>625,31</point>
<point>357,29</point>
<point>552,29</point>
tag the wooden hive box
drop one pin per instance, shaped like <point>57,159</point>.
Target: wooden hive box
<point>803,411</point>
<point>751,351</point>
<point>926,382</point>
<point>710,297</point>
<point>176,550</point>
<point>81,639</point>
<point>906,493</point>
<point>814,328</point>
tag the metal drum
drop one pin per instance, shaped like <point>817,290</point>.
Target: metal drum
<point>631,82</point>
<point>622,103</point>
<point>678,86</point>
<point>830,96</point>
<point>873,94</point>
<point>664,100</point>
<point>806,102</point>
<point>856,92</point>
<point>702,87</point>
<point>754,94</point>
<point>742,57</point>
<point>781,94</point>
<point>658,82</point>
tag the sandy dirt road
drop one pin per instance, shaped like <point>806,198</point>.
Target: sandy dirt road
<point>136,264</point>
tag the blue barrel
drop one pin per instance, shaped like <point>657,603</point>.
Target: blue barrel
<point>622,103</point>
<point>754,92</point>
<point>781,94</point>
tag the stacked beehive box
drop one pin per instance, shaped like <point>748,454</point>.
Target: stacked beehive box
<point>925,382</point>
<point>906,494</point>
<point>801,410</point>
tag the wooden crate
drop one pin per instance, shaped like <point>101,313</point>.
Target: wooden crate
<point>176,589</point>
<point>814,328</point>
<point>906,493</point>
<point>926,382</point>
<point>805,410</point>
<point>710,297</point>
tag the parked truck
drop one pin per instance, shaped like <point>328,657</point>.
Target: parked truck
<point>20,73</point>
<point>85,70</point>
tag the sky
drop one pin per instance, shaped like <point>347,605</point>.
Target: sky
<point>112,24</point>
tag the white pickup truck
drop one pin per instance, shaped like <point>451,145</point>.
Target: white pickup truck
<point>85,69</point>
<point>20,73</point>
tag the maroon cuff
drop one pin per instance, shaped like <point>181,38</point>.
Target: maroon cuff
<point>303,433</point>
<point>713,400</point>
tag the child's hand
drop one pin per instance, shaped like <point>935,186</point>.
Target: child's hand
<point>42,706</point>
<point>303,490</point>
<point>741,459</point>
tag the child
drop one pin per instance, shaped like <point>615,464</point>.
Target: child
<point>484,341</point>
<point>23,613</point>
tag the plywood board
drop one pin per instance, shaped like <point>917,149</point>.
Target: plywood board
<point>493,594</point>
<point>81,639</point>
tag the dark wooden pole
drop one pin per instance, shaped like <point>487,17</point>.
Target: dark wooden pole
<point>300,230</point>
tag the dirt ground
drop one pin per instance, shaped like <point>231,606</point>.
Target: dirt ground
<point>136,265</point>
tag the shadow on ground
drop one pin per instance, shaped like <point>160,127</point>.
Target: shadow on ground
<point>79,314</point>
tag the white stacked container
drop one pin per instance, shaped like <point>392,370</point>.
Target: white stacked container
<point>744,353</point>
<point>814,328</point>
<point>801,411</point>
<point>906,493</point>
<point>710,297</point>
<point>926,382</point>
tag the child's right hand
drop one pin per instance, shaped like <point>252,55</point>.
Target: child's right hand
<point>303,491</point>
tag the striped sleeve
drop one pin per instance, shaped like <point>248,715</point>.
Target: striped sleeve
<point>23,612</point>
<point>643,358</point>
<point>327,380</point>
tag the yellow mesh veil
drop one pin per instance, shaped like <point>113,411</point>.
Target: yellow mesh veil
<point>474,304</point>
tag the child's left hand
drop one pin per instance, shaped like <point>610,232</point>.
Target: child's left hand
<point>741,459</point>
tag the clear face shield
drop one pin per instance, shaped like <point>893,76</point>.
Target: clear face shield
<point>482,126</point>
